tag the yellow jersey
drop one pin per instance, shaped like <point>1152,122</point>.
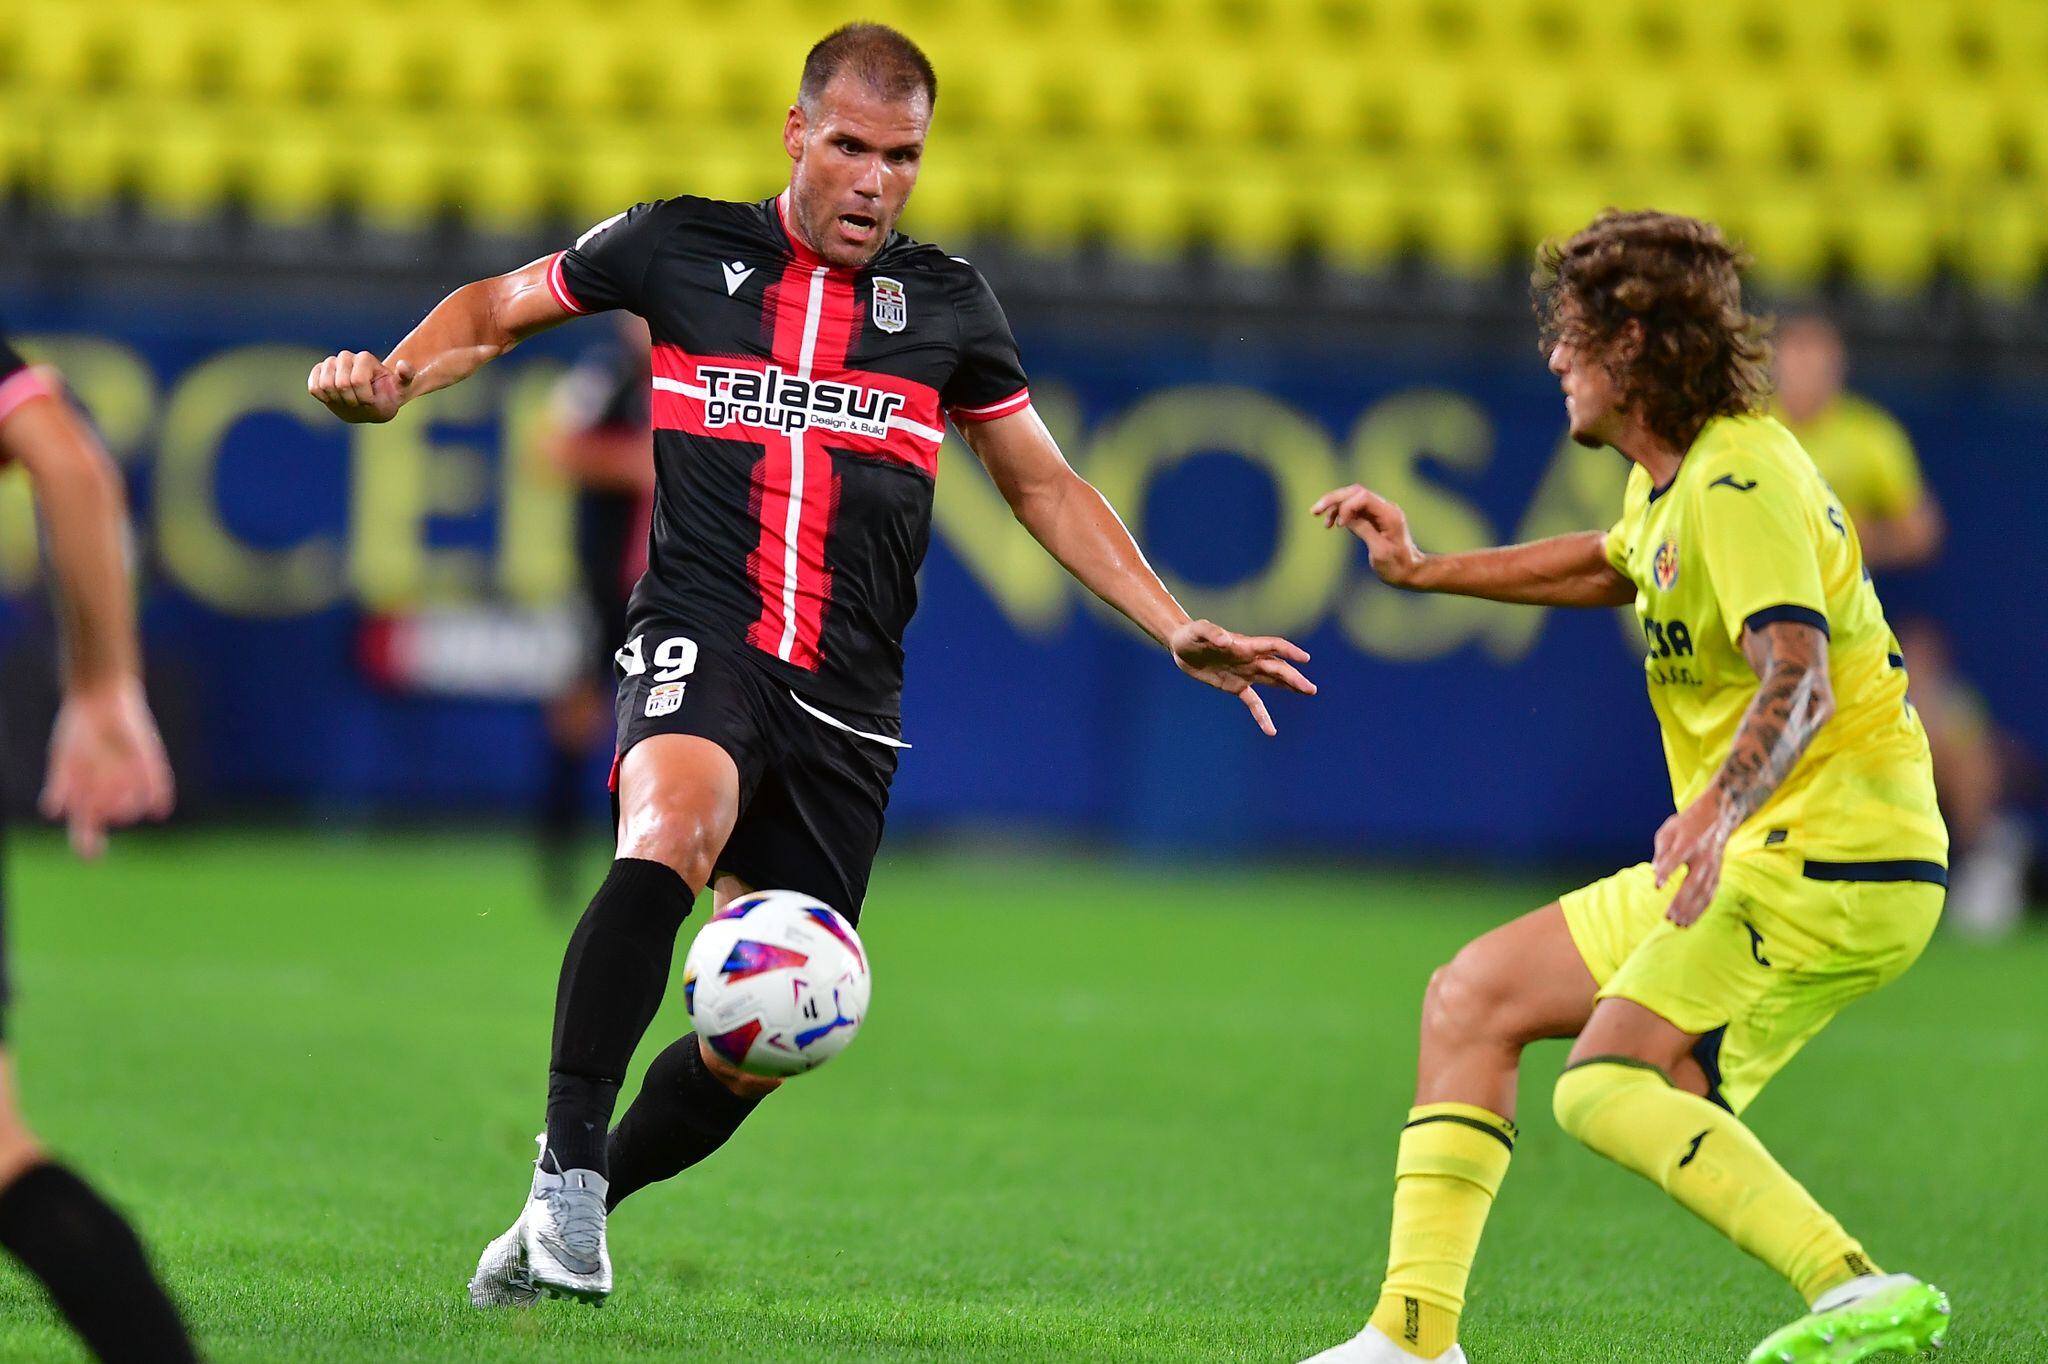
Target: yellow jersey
<point>1866,457</point>
<point>1747,533</point>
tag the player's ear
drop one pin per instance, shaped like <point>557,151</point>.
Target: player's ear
<point>1628,343</point>
<point>793,129</point>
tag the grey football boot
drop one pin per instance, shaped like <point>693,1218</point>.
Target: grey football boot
<point>502,1278</point>
<point>561,1234</point>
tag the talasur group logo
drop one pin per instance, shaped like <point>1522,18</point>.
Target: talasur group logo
<point>1664,568</point>
<point>771,398</point>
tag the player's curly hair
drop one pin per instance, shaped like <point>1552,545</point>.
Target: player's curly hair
<point>1703,354</point>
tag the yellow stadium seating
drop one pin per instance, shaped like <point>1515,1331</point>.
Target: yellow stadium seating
<point>1891,135</point>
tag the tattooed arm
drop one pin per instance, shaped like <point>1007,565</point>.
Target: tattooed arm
<point>1793,700</point>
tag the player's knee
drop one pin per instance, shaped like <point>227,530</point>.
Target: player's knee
<point>680,839</point>
<point>1469,1001</point>
<point>683,827</point>
<point>679,798</point>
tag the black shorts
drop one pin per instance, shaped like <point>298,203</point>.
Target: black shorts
<point>814,787</point>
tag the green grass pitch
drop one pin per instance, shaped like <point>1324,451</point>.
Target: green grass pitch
<point>1100,1112</point>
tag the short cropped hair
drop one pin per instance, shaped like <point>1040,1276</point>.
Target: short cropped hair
<point>1703,354</point>
<point>880,57</point>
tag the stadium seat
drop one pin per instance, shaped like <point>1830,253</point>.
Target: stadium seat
<point>297,164</point>
<point>1783,220</point>
<point>2000,239</point>
<point>1850,119</point>
<point>1361,225</point>
<point>1961,131</point>
<point>23,142</point>
<point>1890,232</point>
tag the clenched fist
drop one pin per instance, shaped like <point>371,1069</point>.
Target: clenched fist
<point>358,387</point>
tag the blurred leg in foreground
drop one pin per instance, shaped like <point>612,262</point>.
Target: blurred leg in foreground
<point>85,1254</point>
<point>107,768</point>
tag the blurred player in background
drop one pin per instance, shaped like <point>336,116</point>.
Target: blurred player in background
<point>107,768</point>
<point>805,358</point>
<point>1978,769</point>
<point>600,438</point>
<point>1869,461</point>
<point>1804,866</point>
<point>1860,449</point>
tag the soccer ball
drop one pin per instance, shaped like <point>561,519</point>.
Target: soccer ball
<point>777,983</point>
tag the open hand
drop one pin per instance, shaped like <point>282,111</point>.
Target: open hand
<point>358,387</point>
<point>1380,523</point>
<point>1231,662</point>
<point>107,764</point>
<point>1695,838</point>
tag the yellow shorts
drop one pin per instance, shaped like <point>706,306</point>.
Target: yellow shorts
<point>1784,946</point>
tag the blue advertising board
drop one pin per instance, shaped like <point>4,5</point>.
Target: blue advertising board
<point>1444,727</point>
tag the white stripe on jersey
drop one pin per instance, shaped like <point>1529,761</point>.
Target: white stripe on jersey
<point>596,228</point>
<point>1016,402</point>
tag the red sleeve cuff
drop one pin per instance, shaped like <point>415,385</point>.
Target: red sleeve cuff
<point>1016,402</point>
<point>559,286</point>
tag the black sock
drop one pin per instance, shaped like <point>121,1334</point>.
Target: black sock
<point>681,1115</point>
<point>613,977</point>
<point>95,1269</point>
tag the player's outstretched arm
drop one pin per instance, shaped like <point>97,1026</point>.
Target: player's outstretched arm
<point>1793,700</point>
<point>1565,570</point>
<point>1076,524</point>
<point>472,326</point>
<point>107,764</point>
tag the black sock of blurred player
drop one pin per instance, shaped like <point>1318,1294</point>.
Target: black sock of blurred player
<point>92,1265</point>
<point>613,977</point>
<point>681,1115</point>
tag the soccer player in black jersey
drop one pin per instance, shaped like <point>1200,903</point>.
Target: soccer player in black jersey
<point>107,768</point>
<point>805,359</point>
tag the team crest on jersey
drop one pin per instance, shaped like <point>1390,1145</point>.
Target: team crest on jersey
<point>892,309</point>
<point>1664,569</point>
<point>665,699</point>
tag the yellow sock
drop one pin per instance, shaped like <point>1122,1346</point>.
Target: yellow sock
<point>1704,1157</point>
<point>1453,1158</point>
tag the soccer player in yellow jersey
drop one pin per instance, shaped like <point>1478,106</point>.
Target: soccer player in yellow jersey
<point>1860,449</point>
<point>1804,866</point>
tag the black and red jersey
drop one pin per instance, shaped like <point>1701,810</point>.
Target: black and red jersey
<point>798,414</point>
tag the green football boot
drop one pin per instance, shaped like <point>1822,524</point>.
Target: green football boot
<point>1863,1317</point>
